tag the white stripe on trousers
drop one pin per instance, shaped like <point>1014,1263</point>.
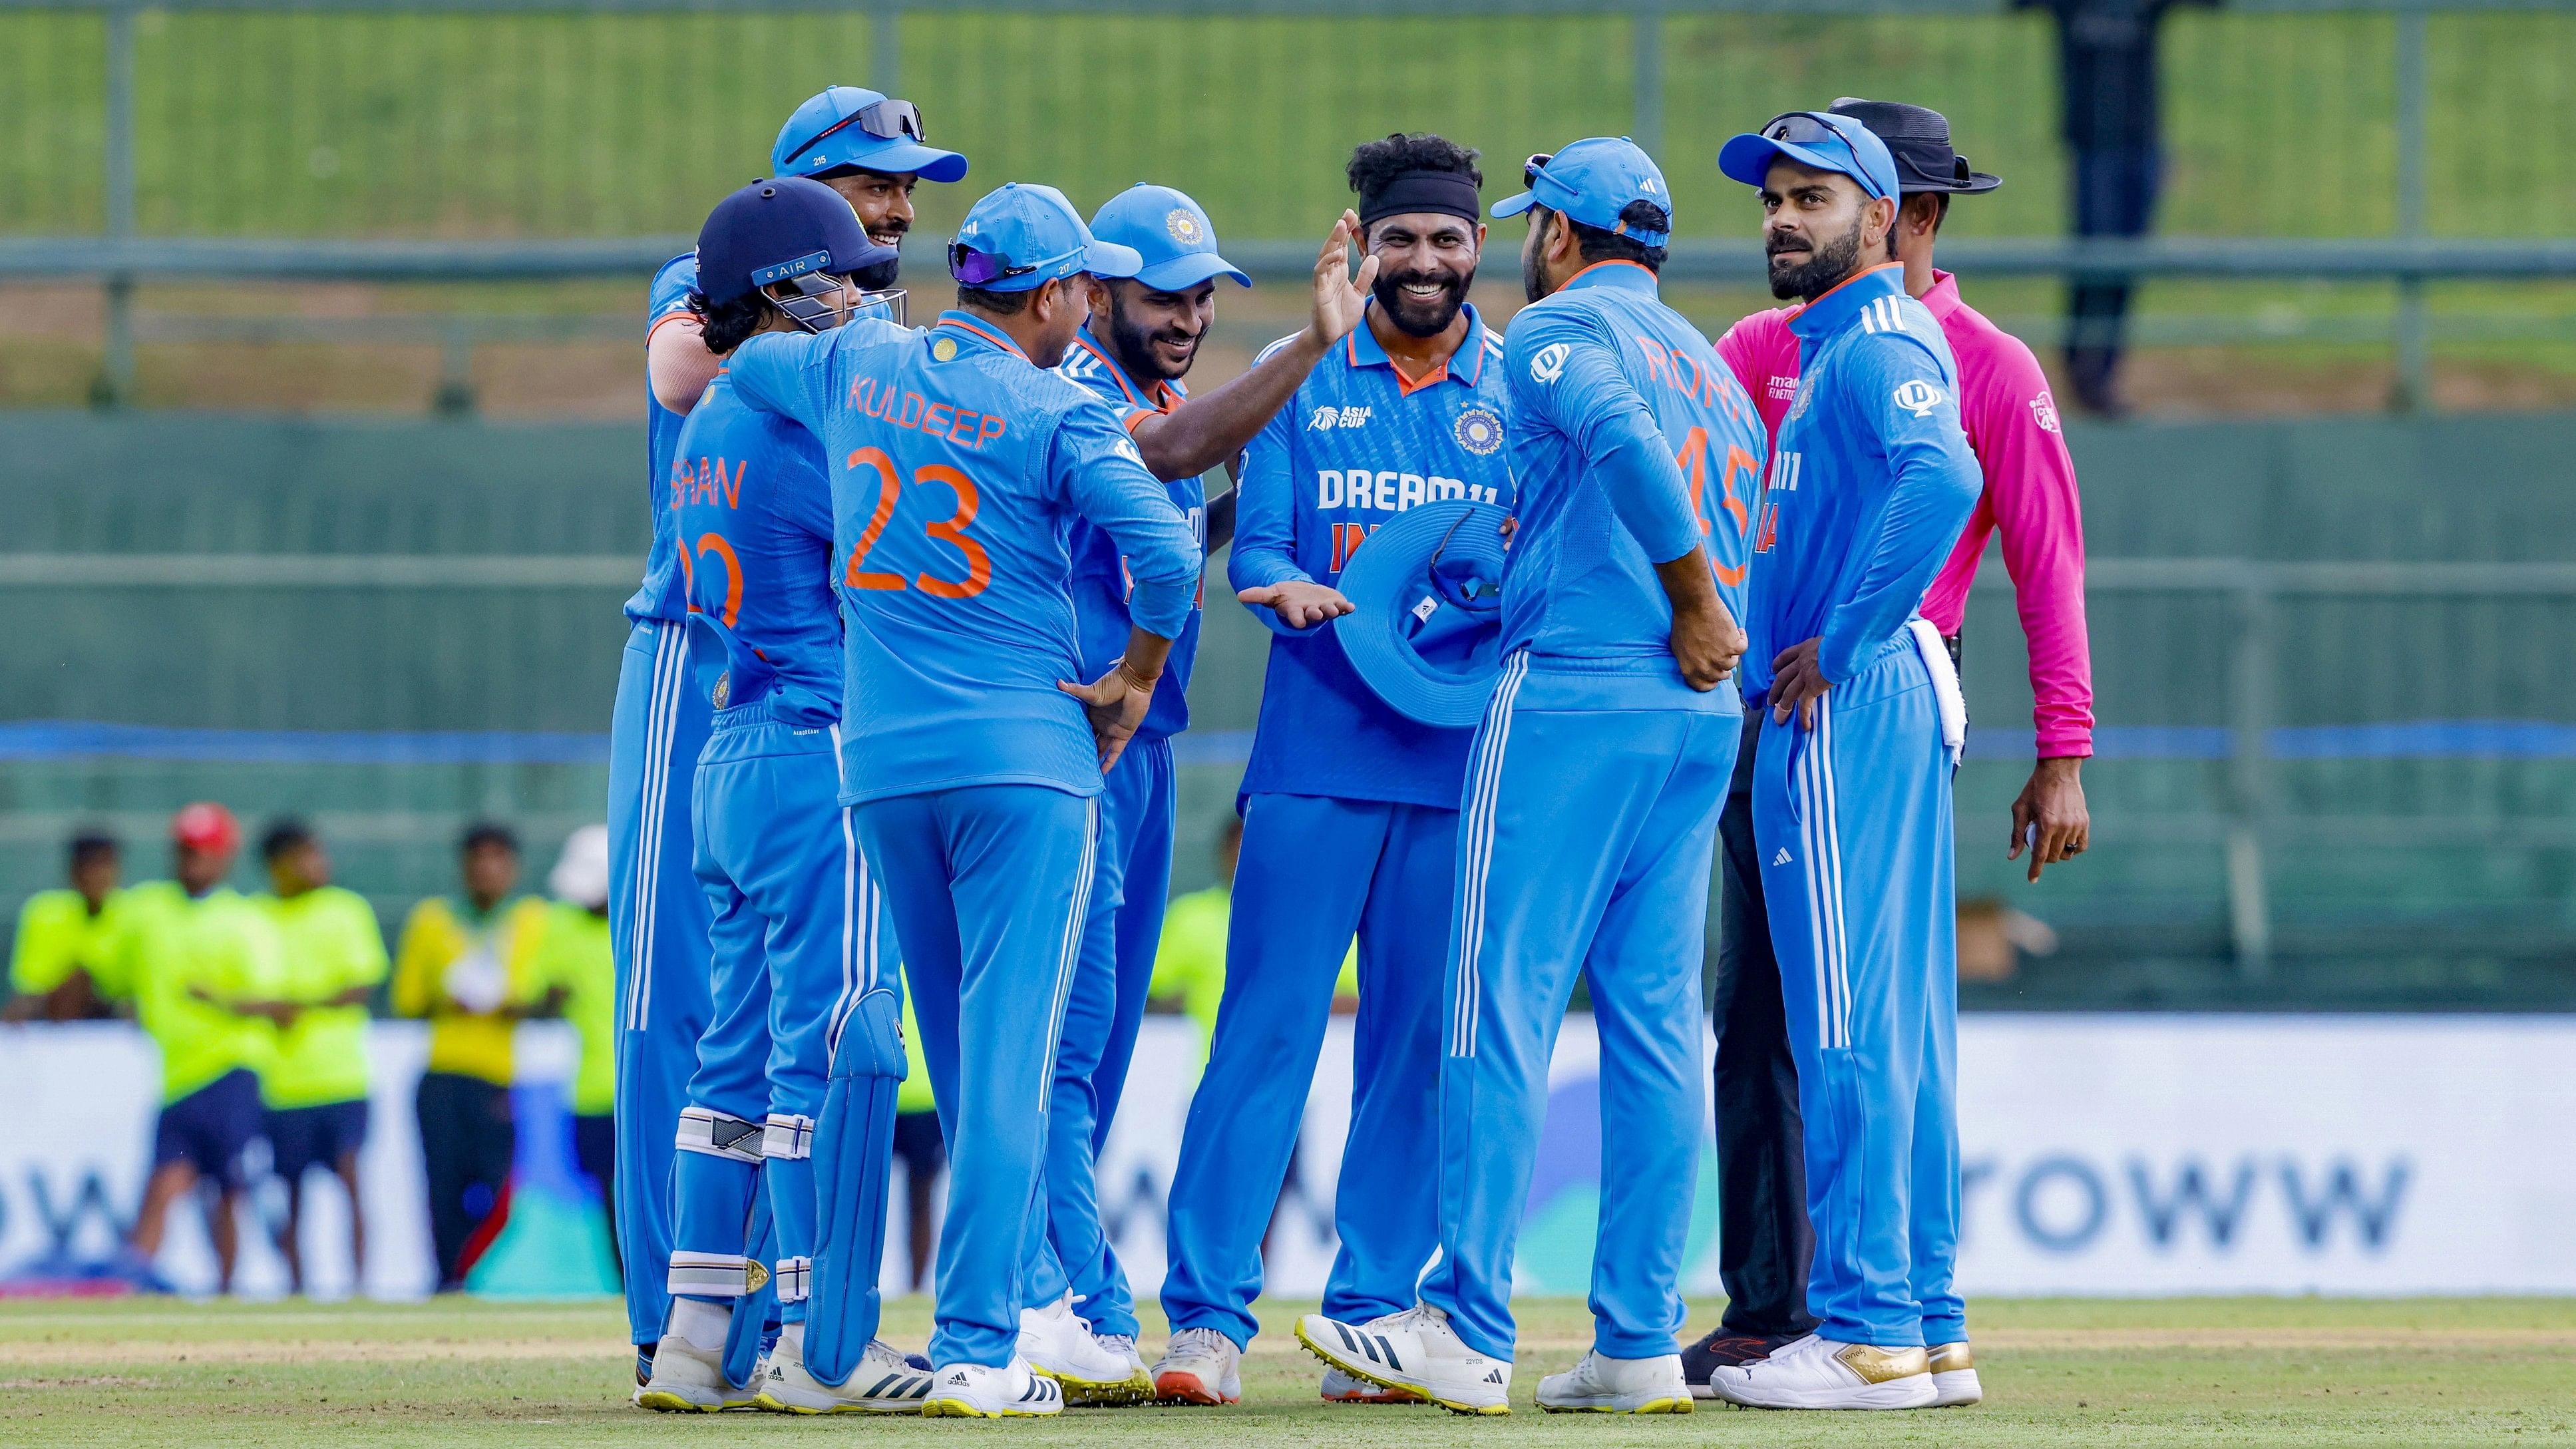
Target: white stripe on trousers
<point>1820,837</point>
<point>1069,955</point>
<point>1476,838</point>
<point>859,911</point>
<point>661,725</point>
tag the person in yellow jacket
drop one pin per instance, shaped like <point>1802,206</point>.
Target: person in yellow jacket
<point>1189,959</point>
<point>469,967</point>
<point>62,968</point>
<point>574,960</point>
<point>315,1092</point>
<point>919,1141</point>
<point>202,961</point>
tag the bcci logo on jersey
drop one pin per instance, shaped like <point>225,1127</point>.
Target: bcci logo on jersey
<point>1918,397</point>
<point>1479,432</point>
<point>1806,395</point>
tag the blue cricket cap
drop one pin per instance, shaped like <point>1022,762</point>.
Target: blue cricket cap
<point>1592,181</point>
<point>1026,235</point>
<point>1426,625</point>
<point>845,126</point>
<point>777,230</point>
<point>1819,140</point>
<point>1170,232</point>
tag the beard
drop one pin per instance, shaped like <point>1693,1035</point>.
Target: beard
<point>1823,268</point>
<point>879,277</point>
<point>1419,317</point>
<point>1134,346</point>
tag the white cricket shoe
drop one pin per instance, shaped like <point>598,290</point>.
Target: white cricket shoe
<point>1341,1388</point>
<point>978,1391</point>
<point>1599,1384</point>
<point>1199,1366</point>
<point>1416,1350</point>
<point>1820,1373</point>
<point>1061,1346</point>
<point>882,1383</point>
<point>688,1379</point>
<point>1954,1375</point>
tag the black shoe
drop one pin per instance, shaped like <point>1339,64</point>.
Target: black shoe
<point>1722,1348</point>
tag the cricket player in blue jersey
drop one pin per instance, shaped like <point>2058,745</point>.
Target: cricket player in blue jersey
<point>971,749</point>
<point>1144,331</point>
<point>1870,483</point>
<point>799,948</point>
<point>1352,806</point>
<point>1591,801</point>
<point>869,149</point>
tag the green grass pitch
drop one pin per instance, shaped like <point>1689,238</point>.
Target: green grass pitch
<point>467,1374</point>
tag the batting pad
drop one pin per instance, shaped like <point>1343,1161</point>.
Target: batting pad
<point>853,1155</point>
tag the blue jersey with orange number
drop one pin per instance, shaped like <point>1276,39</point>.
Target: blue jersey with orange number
<point>665,594</point>
<point>1633,444</point>
<point>958,470</point>
<point>1359,444</point>
<point>1100,583</point>
<point>752,507</point>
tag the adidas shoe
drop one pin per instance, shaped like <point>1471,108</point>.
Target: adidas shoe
<point>1598,1384</point>
<point>688,1379</point>
<point>1123,1345</point>
<point>1061,1346</point>
<point>977,1391</point>
<point>1820,1373</point>
<point>1199,1366</point>
<point>1341,1388</point>
<point>1416,1350</point>
<point>882,1383</point>
<point>1954,1375</point>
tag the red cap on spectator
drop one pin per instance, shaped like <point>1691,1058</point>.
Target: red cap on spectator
<point>206,826</point>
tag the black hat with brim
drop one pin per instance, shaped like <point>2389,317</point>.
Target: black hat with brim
<point>1919,138</point>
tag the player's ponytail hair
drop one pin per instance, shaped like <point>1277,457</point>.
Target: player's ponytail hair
<point>730,325</point>
<point>1598,244</point>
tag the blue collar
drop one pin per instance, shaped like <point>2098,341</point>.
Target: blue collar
<point>970,331</point>
<point>1833,311</point>
<point>1364,351</point>
<point>1162,397</point>
<point>1623,274</point>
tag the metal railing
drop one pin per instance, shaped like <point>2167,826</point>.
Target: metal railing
<point>124,255</point>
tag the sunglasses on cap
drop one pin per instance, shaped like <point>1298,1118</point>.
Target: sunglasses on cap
<point>1811,128</point>
<point>887,120</point>
<point>979,268</point>
<point>1533,166</point>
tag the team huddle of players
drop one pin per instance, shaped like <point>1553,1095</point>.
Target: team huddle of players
<point>912,650</point>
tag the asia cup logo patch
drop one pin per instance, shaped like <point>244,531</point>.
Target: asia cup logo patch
<point>1478,431</point>
<point>1184,227</point>
<point>1325,420</point>
<point>1917,397</point>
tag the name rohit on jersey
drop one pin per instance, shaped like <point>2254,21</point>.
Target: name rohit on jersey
<point>1392,490</point>
<point>964,427</point>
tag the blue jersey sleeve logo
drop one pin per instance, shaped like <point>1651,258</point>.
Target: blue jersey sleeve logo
<point>1918,397</point>
<point>1548,364</point>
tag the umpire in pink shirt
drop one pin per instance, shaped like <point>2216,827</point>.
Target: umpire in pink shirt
<point>2030,498</point>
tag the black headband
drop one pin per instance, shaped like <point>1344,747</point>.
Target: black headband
<point>1450,193</point>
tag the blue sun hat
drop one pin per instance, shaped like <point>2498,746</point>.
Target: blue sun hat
<point>1425,627</point>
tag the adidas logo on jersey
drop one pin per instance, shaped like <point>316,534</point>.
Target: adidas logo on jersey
<point>1782,858</point>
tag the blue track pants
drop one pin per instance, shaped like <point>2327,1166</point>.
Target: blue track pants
<point>1314,871</point>
<point>799,934</point>
<point>657,917</point>
<point>1586,846</point>
<point>1131,880</point>
<point>1853,822</point>
<point>989,885</point>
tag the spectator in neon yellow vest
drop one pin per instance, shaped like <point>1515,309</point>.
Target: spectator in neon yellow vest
<point>204,962</point>
<point>315,1092</point>
<point>62,968</point>
<point>574,960</point>
<point>469,967</point>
